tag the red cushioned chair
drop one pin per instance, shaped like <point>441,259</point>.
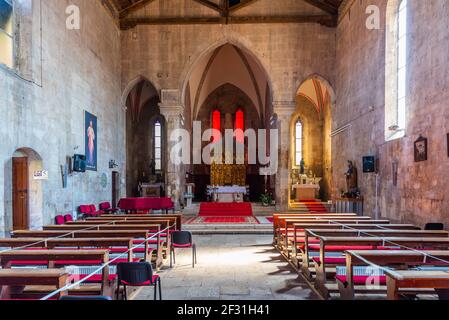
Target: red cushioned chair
<point>85,210</point>
<point>59,220</point>
<point>107,208</point>
<point>182,240</point>
<point>137,274</point>
<point>68,218</point>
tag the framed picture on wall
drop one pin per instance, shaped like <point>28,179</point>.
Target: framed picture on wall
<point>91,139</point>
<point>421,149</point>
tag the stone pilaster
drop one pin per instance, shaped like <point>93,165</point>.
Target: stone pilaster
<point>172,111</point>
<point>284,112</point>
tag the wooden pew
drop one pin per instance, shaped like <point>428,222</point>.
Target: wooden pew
<point>149,227</point>
<point>12,282</point>
<point>397,280</point>
<point>348,287</point>
<point>53,258</point>
<point>286,230</point>
<point>371,243</point>
<point>321,236</point>
<point>136,234</point>
<point>126,243</point>
<point>165,223</point>
<point>277,217</point>
<point>298,241</point>
<point>177,217</point>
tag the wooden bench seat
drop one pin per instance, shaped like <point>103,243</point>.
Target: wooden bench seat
<point>286,227</point>
<point>402,259</point>
<point>177,218</point>
<point>156,255</point>
<point>14,281</point>
<point>372,243</point>
<point>63,258</point>
<point>399,280</point>
<point>296,242</point>
<point>277,217</point>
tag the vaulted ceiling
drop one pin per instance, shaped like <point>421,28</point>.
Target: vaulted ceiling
<point>324,12</point>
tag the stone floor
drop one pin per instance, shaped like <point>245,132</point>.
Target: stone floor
<point>230,267</point>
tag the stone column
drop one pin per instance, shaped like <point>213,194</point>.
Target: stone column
<point>284,112</point>
<point>172,111</point>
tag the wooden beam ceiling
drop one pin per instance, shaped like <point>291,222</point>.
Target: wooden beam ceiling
<point>321,19</point>
<point>123,8</point>
<point>324,5</point>
<point>241,5</point>
<point>210,5</point>
<point>135,5</point>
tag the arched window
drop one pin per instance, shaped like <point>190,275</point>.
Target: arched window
<point>216,125</point>
<point>298,143</point>
<point>402,64</point>
<point>158,145</point>
<point>396,69</point>
<point>240,125</point>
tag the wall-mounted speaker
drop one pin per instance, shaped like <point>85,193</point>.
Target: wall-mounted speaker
<point>369,164</point>
<point>79,163</point>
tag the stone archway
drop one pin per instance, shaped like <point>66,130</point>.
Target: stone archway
<point>315,101</point>
<point>226,64</point>
<point>24,206</point>
<point>141,99</point>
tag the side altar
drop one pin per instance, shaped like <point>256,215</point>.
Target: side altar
<point>305,187</point>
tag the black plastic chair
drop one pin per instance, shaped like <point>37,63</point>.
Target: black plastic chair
<point>434,227</point>
<point>182,240</point>
<point>86,298</point>
<point>138,274</point>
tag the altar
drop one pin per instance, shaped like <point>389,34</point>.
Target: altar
<point>306,192</point>
<point>226,194</point>
<point>306,188</point>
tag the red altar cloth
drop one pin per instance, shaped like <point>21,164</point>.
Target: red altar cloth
<point>146,204</point>
<point>233,209</point>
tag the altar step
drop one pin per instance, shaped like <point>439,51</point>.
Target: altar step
<point>229,229</point>
<point>258,210</point>
<point>311,206</point>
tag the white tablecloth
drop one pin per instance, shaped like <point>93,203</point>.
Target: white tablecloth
<point>229,189</point>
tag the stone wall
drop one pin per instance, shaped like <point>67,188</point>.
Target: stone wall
<point>421,192</point>
<point>59,74</point>
<point>288,53</point>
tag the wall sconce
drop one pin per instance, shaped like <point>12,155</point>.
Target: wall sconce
<point>113,164</point>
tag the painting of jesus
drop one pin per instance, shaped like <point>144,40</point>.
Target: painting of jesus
<point>91,138</point>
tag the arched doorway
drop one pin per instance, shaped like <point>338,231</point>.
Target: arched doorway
<point>310,147</point>
<point>145,140</point>
<point>26,185</point>
<point>230,83</point>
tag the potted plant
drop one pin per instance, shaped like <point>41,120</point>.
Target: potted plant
<point>266,199</point>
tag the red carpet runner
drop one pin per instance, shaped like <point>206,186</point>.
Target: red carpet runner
<point>314,206</point>
<point>216,209</point>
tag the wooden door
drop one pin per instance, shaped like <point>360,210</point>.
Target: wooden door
<point>115,188</point>
<point>20,193</point>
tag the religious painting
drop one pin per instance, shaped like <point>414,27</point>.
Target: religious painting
<point>421,149</point>
<point>91,139</point>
